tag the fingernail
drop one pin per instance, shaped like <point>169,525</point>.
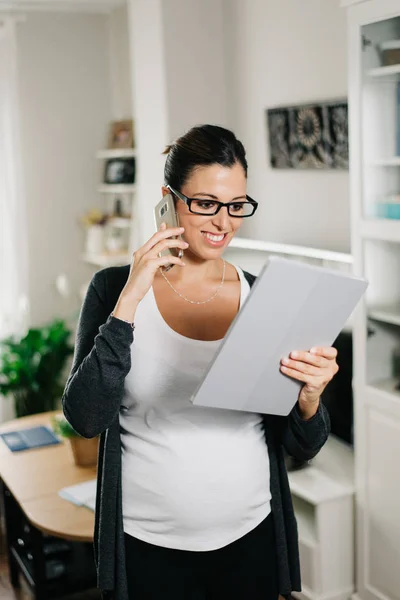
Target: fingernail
<point>294,354</point>
<point>185,244</point>
<point>314,350</point>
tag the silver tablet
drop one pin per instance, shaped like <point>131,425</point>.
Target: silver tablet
<point>291,306</point>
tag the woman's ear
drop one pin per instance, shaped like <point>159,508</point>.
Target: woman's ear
<point>164,191</point>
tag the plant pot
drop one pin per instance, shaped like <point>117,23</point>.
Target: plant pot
<point>84,451</point>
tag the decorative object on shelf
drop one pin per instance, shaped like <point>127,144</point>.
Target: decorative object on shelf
<point>94,216</point>
<point>387,208</point>
<point>118,211</point>
<point>31,367</point>
<point>390,52</point>
<point>312,136</point>
<point>119,171</point>
<point>94,221</point>
<point>94,242</point>
<point>115,241</point>
<point>121,134</point>
<point>84,451</point>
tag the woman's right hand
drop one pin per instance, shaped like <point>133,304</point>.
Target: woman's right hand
<point>146,262</point>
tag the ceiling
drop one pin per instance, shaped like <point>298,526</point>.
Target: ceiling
<point>60,5</point>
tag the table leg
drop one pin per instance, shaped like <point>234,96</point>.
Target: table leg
<point>11,523</point>
<point>39,566</point>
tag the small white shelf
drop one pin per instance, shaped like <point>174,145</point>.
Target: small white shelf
<point>120,222</point>
<point>385,314</point>
<point>384,71</point>
<point>315,487</point>
<point>300,251</point>
<point>391,161</point>
<point>107,260</point>
<point>123,188</point>
<point>117,153</point>
<point>387,388</point>
<point>387,230</point>
<point>330,475</point>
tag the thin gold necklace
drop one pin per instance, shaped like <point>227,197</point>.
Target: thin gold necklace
<point>195,301</point>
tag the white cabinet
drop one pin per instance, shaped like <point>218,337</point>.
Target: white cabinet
<point>323,500</point>
<point>374,120</point>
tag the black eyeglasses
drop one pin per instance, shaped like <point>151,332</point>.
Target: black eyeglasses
<point>202,206</point>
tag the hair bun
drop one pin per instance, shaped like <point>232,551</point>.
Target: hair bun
<point>167,149</point>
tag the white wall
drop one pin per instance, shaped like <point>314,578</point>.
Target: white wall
<point>283,52</point>
<point>65,111</point>
<point>120,68</point>
<point>178,81</point>
<point>194,62</point>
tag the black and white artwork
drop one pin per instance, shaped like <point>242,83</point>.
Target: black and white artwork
<point>119,170</point>
<point>312,136</point>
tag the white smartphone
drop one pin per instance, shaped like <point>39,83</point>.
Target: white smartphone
<point>165,212</point>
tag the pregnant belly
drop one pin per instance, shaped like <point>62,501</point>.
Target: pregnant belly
<point>195,480</point>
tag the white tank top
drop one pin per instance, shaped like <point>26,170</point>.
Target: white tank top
<point>193,478</point>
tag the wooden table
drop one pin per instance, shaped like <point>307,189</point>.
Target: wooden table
<point>31,480</point>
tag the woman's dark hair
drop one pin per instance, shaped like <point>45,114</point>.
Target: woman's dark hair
<point>200,146</point>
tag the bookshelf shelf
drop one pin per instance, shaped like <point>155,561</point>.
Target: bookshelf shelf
<point>380,229</point>
<point>384,71</point>
<point>374,117</point>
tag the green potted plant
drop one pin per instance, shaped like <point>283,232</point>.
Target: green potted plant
<point>84,451</point>
<point>31,367</point>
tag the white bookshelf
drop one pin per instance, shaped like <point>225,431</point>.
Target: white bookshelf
<point>125,225</point>
<point>374,176</point>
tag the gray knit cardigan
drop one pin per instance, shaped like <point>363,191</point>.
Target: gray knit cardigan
<point>91,403</point>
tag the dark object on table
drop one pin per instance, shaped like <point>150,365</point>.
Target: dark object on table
<point>120,171</point>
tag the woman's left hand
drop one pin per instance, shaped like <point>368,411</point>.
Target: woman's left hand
<point>315,369</point>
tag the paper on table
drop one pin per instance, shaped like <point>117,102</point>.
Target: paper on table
<point>82,494</point>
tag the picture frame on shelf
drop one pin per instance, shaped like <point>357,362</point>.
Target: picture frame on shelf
<point>119,171</point>
<point>121,134</point>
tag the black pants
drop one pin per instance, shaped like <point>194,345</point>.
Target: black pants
<point>244,570</point>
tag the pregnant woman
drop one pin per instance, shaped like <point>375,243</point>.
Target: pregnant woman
<point>193,503</point>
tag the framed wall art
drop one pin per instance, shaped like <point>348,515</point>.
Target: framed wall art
<point>309,136</point>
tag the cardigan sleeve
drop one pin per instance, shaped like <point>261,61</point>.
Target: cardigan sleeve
<point>102,360</point>
<point>304,439</point>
